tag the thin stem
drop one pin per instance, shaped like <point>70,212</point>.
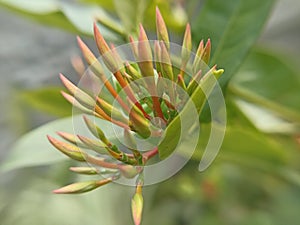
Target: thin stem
<point>115,94</point>
<point>282,111</point>
<point>156,104</point>
<point>108,118</point>
<point>129,92</point>
<point>148,155</point>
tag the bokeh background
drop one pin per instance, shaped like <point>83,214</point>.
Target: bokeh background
<point>253,190</point>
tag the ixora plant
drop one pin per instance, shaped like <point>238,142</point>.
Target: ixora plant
<point>151,99</point>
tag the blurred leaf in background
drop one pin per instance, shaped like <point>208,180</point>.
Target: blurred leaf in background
<point>256,177</point>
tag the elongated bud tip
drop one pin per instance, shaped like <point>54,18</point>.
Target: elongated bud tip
<point>79,41</point>
<point>188,36</point>
<point>96,30</point>
<point>137,203</point>
<point>142,34</point>
<point>101,43</point>
<point>208,46</point>
<point>157,11</point>
<point>131,39</point>
<point>62,77</point>
<point>188,28</point>
<point>159,18</point>
<point>81,187</point>
<point>68,97</point>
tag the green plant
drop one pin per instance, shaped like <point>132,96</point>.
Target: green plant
<point>261,86</point>
<point>151,104</point>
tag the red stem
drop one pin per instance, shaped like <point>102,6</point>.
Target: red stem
<point>148,155</point>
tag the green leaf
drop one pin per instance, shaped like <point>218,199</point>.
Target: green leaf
<point>131,13</point>
<point>186,118</point>
<point>51,17</point>
<point>48,100</point>
<point>246,147</point>
<point>33,149</point>
<point>106,4</point>
<point>233,27</point>
<point>77,18</point>
<point>83,16</point>
<point>34,6</point>
<point>267,80</point>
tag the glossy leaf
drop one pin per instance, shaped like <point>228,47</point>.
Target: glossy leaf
<point>245,147</point>
<point>186,118</point>
<point>270,81</point>
<point>131,13</point>
<point>233,26</point>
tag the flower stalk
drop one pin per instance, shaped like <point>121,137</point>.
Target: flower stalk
<point>149,104</point>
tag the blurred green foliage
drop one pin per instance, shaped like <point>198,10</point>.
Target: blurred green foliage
<point>256,177</point>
